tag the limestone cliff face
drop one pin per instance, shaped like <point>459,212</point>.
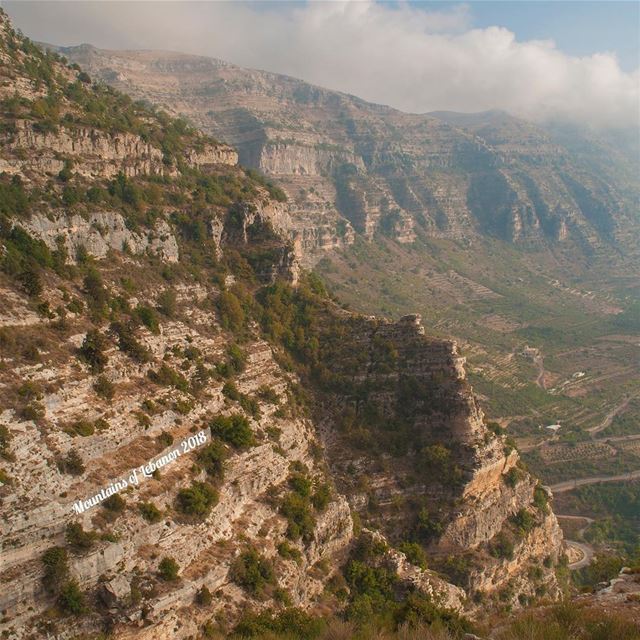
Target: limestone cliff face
<point>111,362</point>
<point>101,232</point>
<point>38,504</point>
<point>28,151</point>
<point>448,467</point>
<point>442,174</point>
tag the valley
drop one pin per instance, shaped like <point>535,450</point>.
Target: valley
<point>366,320</point>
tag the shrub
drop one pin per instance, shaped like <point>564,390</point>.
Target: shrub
<point>229,390</point>
<point>292,623</point>
<point>267,394</point>
<point>167,303</point>
<point>427,527</point>
<point>237,359</point>
<point>164,439</point>
<point>33,411</point>
<point>541,499</point>
<point>56,568</point>
<point>128,343</point>
<point>92,350</point>
<point>95,289</point>
<point>104,388</point>
<point>5,439</point>
<point>71,599</point>
<point>501,546</point>
<point>252,572</point>
<point>148,317</point>
<point>115,503</point>
<point>168,377</point>
<point>233,429</point>
<point>297,511</point>
<point>524,521</point>
<point>197,500</point>
<point>204,597</point>
<point>232,316</point>
<point>77,538</point>
<point>82,428</point>
<point>31,280</point>
<point>30,391</point>
<point>212,459</point>
<point>300,483</point>
<point>288,551</point>
<point>321,497</point>
<point>513,477</point>
<point>150,512</point>
<point>168,569</point>
<point>72,463</point>
<point>415,554</point>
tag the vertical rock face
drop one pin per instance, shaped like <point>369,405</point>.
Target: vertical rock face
<point>27,151</point>
<point>434,472</point>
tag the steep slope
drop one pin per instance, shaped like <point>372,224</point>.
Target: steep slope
<point>156,321</point>
<point>347,164</point>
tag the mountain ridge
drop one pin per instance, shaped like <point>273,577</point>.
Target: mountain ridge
<point>435,180</point>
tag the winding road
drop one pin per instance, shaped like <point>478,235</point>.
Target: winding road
<point>539,362</point>
<point>568,485</point>
<point>612,414</point>
<point>585,549</point>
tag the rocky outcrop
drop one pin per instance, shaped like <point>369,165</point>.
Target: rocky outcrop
<point>39,502</point>
<point>95,154</point>
<point>451,465</point>
<point>100,232</point>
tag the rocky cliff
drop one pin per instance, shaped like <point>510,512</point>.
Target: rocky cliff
<point>189,424</point>
<point>349,164</point>
<point>428,468</point>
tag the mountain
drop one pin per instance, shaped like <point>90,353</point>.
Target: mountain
<point>508,235</point>
<point>195,439</point>
<point>351,166</point>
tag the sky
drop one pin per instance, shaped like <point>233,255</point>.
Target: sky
<point>575,61</point>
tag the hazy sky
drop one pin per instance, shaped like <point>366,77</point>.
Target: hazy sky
<point>576,60</point>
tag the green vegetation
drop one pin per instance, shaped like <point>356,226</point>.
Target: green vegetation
<point>501,546</point>
<point>150,512</point>
<point>71,599</point>
<point>5,441</point>
<point>415,553</point>
<point>294,624</point>
<point>233,429</point>
<point>298,505</point>
<point>79,539</point>
<point>616,508</point>
<point>374,601</point>
<point>168,569</point>
<point>104,388</point>
<point>115,503</point>
<point>71,463</point>
<point>168,377</point>
<point>128,343</point>
<point>56,568</point>
<point>253,572</point>
<point>197,500</point>
<point>204,597</point>
<point>212,458</point>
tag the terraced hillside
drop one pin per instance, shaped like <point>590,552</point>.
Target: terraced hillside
<point>195,439</point>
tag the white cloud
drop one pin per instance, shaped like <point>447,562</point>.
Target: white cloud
<point>401,54</point>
